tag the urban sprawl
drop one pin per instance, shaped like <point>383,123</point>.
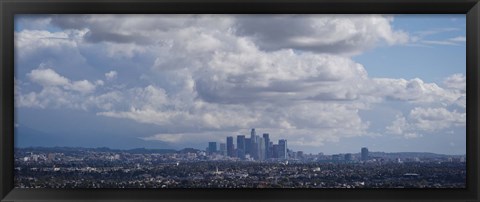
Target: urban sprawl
<point>254,162</point>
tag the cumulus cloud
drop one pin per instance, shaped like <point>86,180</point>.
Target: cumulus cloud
<point>337,34</point>
<point>414,91</point>
<point>456,81</point>
<point>426,120</point>
<point>206,76</point>
<point>279,76</point>
<point>136,29</point>
<point>56,90</point>
<point>82,86</point>
<point>29,40</point>
<point>111,75</point>
<point>47,77</point>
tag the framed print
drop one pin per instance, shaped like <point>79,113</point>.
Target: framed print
<point>244,101</point>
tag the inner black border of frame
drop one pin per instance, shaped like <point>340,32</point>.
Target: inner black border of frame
<point>8,8</point>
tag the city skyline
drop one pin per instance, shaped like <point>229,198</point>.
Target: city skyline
<point>324,83</point>
<point>104,168</point>
<point>256,147</point>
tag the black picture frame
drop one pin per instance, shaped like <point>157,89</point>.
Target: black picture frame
<point>8,8</point>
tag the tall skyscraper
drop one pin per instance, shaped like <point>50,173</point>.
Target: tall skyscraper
<point>270,150</point>
<point>223,149</point>
<point>248,146</point>
<point>256,147</point>
<point>252,133</point>
<point>212,147</point>
<point>241,146</point>
<point>266,140</point>
<point>254,144</point>
<point>230,147</point>
<point>261,149</point>
<point>364,154</point>
<point>282,151</point>
<point>275,151</point>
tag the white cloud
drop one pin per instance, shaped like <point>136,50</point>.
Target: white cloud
<point>114,50</point>
<point>433,119</point>
<point>425,39</point>
<point>426,120</point>
<point>205,76</point>
<point>398,125</point>
<point>456,41</point>
<point>456,81</point>
<point>51,97</point>
<point>82,86</point>
<point>165,137</point>
<point>338,34</point>
<point>105,101</point>
<point>278,76</point>
<point>413,91</point>
<point>430,32</point>
<point>28,100</point>
<point>56,90</point>
<point>29,40</point>
<point>459,39</point>
<point>111,75</point>
<point>32,42</point>
<point>343,34</point>
<point>99,82</point>
<point>47,77</point>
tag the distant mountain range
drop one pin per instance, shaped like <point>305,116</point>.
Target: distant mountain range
<point>29,137</point>
<point>105,149</point>
<point>192,150</point>
<point>410,155</point>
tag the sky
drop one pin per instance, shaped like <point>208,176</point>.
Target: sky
<point>326,83</point>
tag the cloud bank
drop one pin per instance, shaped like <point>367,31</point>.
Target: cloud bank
<point>215,75</point>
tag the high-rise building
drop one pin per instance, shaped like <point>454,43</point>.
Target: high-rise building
<point>248,146</point>
<point>241,146</point>
<point>253,134</point>
<point>253,143</point>
<point>230,147</point>
<point>270,150</point>
<point>223,149</point>
<point>364,154</point>
<point>282,151</point>
<point>266,140</point>
<point>256,147</point>
<point>261,149</point>
<point>212,147</point>
<point>275,149</point>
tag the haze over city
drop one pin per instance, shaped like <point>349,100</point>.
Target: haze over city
<point>325,83</point>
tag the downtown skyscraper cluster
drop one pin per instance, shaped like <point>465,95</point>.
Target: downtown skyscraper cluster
<point>255,147</point>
